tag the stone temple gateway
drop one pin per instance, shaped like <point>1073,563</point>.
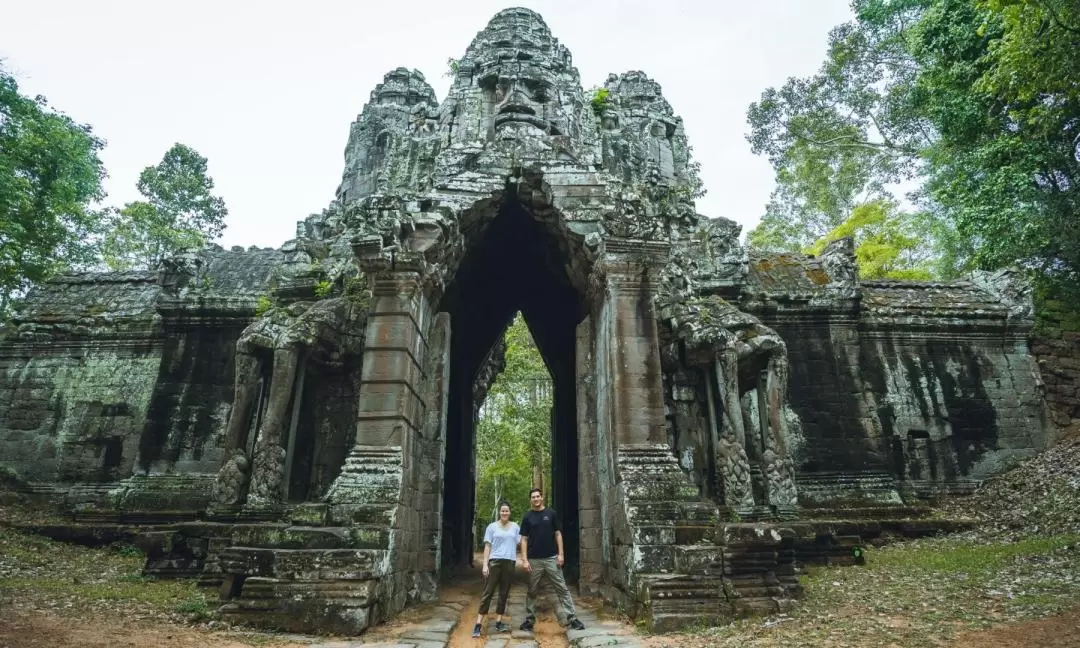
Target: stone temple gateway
<point>296,426</point>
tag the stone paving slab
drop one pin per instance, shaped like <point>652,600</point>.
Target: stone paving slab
<point>525,644</point>
<point>598,641</point>
<point>361,644</point>
<point>440,625</point>
<point>572,635</point>
<point>496,643</point>
<point>428,644</point>
<point>426,635</point>
<point>521,634</point>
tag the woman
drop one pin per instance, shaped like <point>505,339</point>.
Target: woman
<point>501,541</point>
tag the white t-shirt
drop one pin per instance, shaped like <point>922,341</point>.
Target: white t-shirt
<point>504,541</point>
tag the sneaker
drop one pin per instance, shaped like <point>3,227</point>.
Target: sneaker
<point>501,627</point>
<point>476,631</point>
<point>527,625</point>
<point>576,624</point>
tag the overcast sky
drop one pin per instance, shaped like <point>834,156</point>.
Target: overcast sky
<point>266,91</point>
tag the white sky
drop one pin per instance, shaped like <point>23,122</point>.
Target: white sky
<point>266,91</point>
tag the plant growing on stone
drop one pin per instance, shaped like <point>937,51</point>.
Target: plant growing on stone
<point>262,305</point>
<point>599,99</point>
<point>452,67</point>
<point>323,289</point>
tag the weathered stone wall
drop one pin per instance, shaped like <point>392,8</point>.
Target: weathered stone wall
<point>77,372</point>
<point>927,385</point>
<point>191,397</point>
<point>125,379</point>
<point>326,430</point>
<point>1056,345</point>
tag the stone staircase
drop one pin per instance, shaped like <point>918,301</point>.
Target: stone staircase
<point>299,577</point>
<point>689,566</point>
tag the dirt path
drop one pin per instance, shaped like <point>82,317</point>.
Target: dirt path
<point>1059,631</point>
<point>466,587</point>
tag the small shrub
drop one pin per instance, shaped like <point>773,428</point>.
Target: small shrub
<point>128,551</point>
<point>262,305</point>
<point>452,67</point>
<point>323,289</point>
<point>195,606</point>
<point>600,100</point>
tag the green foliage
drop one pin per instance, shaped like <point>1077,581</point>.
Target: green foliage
<point>839,138</point>
<point>887,244</point>
<point>323,289</point>
<point>513,437</point>
<point>975,102</point>
<point>262,305</point>
<point>357,290</point>
<point>599,99</point>
<point>452,67</point>
<point>179,213</point>
<point>129,551</point>
<point>195,606</point>
<point>50,174</point>
<point>1000,79</point>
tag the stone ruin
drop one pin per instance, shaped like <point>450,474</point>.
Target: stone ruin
<point>296,426</point>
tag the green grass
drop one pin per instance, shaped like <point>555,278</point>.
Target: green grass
<point>951,557</point>
<point>919,593</point>
<point>34,566</point>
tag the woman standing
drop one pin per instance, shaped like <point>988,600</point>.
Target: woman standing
<point>500,555</point>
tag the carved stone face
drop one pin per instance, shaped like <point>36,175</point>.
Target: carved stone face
<point>522,101</point>
<point>522,98</point>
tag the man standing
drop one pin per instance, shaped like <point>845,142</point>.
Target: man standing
<point>542,546</point>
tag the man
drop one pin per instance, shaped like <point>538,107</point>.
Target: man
<point>542,547</point>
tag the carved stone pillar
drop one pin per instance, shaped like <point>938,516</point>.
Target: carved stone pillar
<point>776,460</point>
<point>392,407</point>
<point>231,484</point>
<point>732,464</point>
<point>268,460</point>
<point>636,386</point>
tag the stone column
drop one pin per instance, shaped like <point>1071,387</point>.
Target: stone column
<point>392,405</point>
<point>589,466</point>
<point>636,385</point>
<point>776,460</point>
<point>268,460</point>
<point>732,464</point>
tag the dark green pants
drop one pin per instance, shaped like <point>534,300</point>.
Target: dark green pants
<point>500,575</point>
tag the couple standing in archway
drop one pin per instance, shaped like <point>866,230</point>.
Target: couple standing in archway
<point>542,556</point>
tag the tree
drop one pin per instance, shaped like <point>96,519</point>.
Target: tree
<point>976,101</point>
<point>841,137</point>
<point>513,438</point>
<point>50,174</point>
<point>1001,81</point>
<point>888,244</point>
<point>179,213</point>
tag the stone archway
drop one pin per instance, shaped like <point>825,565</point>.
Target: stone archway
<point>514,261</point>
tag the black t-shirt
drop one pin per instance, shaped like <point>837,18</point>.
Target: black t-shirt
<point>540,527</point>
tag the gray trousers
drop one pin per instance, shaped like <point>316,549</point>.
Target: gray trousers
<point>500,575</point>
<point>548,567</point>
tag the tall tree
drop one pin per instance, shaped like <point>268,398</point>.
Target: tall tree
<point>179,212</point>
<point>1000,79</point>
<point>841,137</point>
<point>888,243</point>
<point>513,445</point>
<point>975,101</point>
<point>50,174</point>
